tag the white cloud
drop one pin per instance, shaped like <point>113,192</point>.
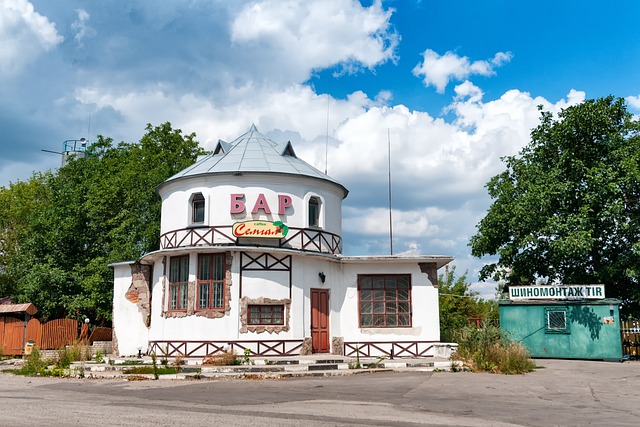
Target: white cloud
<point>634,102</point>
<point>310,35</point>
<point>437,70</point>
<point>24,34</point>
<point>81,27</point>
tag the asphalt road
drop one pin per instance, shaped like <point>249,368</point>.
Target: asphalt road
<point>562,393</point>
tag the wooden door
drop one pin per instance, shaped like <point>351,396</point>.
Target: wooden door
<point>320,320</point>
<point>12,336</point>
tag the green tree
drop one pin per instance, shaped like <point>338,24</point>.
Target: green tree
<point>567,208</point>
<point>459,303</point>
<point>63,229</point>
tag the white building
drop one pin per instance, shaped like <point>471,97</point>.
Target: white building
<point>250,258</point>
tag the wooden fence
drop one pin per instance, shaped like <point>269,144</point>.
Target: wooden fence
<point>51,335</point>
<point>630,330</point>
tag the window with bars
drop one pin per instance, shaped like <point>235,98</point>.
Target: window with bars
<point>211,274</point>
<point>265,314</point>
<point>384,301</point>
<point>556,320</point>
<point>197,208</point>
<point>178,282</point>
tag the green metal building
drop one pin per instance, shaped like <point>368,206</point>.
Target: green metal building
<point>564,322</point>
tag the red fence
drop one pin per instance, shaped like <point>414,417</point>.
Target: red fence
<point>51,335</point>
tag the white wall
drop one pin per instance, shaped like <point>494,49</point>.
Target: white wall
<point>128,322</point>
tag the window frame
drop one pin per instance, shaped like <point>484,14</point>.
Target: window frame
<point>212,282</point>
<point>181,287</point>
<point>370,301</point>
<point>314,220</point>
<point>547,320</point>
<point>198,204</point>
<point>261,312</point>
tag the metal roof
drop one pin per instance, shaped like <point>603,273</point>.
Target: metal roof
<point>252,152</point>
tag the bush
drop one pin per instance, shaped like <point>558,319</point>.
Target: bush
<point>489,350</point>
<point>222,359</point>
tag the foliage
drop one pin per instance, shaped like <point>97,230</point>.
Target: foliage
<point>154,369</point>
<point>33,363</point>
<point>567,208</point>
<point>488,350</point>
<point>60,230</point>
<point>226,358</point>
<point>458,303</point>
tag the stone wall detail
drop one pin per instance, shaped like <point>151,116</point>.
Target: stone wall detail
<point>139,291</point>
<point>431,270</point>
<point>337,346</point>
<point>307,347</point>
<point>245,302</point>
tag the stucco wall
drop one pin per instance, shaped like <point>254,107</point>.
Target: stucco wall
<point>129,326</point>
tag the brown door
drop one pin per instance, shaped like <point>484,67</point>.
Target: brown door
<point>12,336</point>
<point>320,320</point>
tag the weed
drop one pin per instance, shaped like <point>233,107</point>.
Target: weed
<point>247,357</point>
<point>99,357</point>
<point>154,366</point>
<point>222,359</point>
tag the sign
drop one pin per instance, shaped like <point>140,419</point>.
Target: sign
<point>264,229</point>
<point>563,292</point>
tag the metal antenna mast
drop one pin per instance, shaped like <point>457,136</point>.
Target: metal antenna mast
<point>390,216</point>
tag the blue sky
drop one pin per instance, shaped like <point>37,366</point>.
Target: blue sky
<point>455,84</point>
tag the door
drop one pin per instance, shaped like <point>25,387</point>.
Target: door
<point>320,320</point>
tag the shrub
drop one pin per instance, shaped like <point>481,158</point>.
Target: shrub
<point>489,350</point>
<point>222,359</point>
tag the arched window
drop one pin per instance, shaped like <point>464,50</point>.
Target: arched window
<point>197,208</point>
<point>314,212</point>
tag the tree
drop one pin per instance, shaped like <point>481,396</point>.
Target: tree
<point>567,208</point>
<point>459,303</point>
<point>59,231</point>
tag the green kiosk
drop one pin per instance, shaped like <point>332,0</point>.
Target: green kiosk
<point>563,321</point>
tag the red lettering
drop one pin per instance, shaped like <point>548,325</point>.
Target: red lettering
<point>261,203</point>
<point>284,202</point>
<point>237,203</point>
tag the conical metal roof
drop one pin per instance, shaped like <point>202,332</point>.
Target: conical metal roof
<point>252,152</point>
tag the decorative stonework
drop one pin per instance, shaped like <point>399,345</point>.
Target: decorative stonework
<point>191,297</point>
<point>245,302</point>
<point>337,346</point>
<point>307,347</point>
<point>139,290</point>
<point>431,270</point>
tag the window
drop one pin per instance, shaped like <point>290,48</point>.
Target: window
<point>197,208</point>
<point>211,274</point>
<point>385,301</point>
<point>556,320</point>
<point>314,212</point>
<point>178,282</point>
<point>266,314</point>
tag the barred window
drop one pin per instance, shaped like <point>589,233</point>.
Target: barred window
<point>265,314</point>
<point>211,275</point>
<point>384,300</point>
<point>178,282</point>
<point>556,320</point>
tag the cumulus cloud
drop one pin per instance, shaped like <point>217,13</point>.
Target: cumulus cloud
<point>24,34</point>
<point>438,70</point>
<point>634,102</point>
<point>311,35</point>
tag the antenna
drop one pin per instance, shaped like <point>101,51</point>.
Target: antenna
<point>390,217</point>
<point>326,141</point>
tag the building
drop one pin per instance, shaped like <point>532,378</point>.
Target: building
<point>563,322</point>
<point>251,258</point>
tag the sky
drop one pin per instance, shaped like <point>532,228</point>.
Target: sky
<point>448,87</point>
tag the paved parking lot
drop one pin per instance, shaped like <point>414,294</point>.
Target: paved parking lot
<point>561,393</point>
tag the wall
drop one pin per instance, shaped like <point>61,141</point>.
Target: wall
<point>588,338</point>
<point>129,322</point>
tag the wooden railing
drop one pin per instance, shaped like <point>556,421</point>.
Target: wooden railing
<point>304,239</point>
<point>390,348</point>
<point>193,349</point>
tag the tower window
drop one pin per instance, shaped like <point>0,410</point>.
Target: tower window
<point>314,212</point>
<point>197,208</point>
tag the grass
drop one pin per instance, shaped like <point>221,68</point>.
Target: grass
<point>222,359</point>
<point>141,370</point>
<point>489,350</point>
